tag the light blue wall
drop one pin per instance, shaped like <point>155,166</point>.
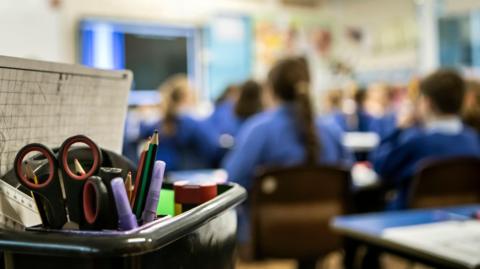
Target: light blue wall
<point>230,54</point>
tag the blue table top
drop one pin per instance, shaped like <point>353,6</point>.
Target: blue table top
<point>374,224</point>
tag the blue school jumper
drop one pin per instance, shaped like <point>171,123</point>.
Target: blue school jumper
<point>400,154</point>
<point>384,126</point>
<point>363,121</point>
<point>192,146</point>
<point>270,139</point>
<point>223,119</point>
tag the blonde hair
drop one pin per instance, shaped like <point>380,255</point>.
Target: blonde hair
<point>173,91</point>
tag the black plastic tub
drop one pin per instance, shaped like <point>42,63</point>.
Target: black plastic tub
<point>203,237</point>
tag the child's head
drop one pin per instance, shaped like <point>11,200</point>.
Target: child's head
<point>378,99</point>
<point>249,100</point>
<point>177,93</point>
<point>230,93</point>
<point>441,94</point>
<point>333,100</point>
<point>177,96</point>
<point>471,102</point>
<point>289,79</point>
<point>471,105</point>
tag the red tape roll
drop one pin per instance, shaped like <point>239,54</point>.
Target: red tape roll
<point>190,193</point>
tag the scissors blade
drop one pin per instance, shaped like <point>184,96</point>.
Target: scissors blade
<point>69,224</point>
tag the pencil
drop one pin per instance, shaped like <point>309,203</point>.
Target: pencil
<point>129,186</point>
<point>30,174</point>
<point>78,168</point>
<point>146,175</point>
<point>138,176</point>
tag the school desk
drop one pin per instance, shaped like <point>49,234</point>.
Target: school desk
<point>360,141</point>
<point>362,176</point>
<point>374,231</point>
<point>203,237</point>
<point>198,175</point>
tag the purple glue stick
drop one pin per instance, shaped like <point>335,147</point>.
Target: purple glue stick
<point>126,219</point>
<point>150,212</point>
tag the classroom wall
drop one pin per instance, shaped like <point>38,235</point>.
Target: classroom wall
<point>376,18</point>
<point>343,12</point>
<point>186,12</point>
<point>33,29</point>
<point>53,30</point>
<point>459,7</point>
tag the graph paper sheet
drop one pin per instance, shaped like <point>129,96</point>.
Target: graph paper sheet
<point>455,240</point>
<point>48,102</point>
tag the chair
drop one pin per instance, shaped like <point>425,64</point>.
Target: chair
<point>446,182</point>
<point>291,209</point>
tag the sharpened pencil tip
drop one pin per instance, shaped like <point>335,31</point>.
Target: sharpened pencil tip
<point>155,138</point>
<point>78,168</point>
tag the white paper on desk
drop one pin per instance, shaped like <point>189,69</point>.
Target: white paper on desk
<point>47,102</point>
<point>363,175</point>
<point>454,240</point>
<point>360,141</point>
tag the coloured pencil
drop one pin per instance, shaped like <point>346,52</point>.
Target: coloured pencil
<point>146,176</point>
<point>138,176</point>
<point>129,186</point>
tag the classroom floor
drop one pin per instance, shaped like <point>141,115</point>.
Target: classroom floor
<point>332,261</point>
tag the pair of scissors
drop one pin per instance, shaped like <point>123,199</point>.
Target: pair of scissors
<point>58,185</point>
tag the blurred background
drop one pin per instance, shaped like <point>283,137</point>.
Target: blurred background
<point>363,55</point>
<point>362,41</point>
<point>217,43</point>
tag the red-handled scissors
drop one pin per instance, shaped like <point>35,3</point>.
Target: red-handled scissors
<point>59,186</point>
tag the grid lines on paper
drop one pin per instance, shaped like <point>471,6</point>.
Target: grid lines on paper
<point>48,107</point>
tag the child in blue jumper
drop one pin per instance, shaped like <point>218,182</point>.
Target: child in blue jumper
<point>433,131</point>
<point>290,134</point>
<point>287,136</point>
<point>184,142</point>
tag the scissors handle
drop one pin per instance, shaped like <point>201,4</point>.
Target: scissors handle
<point>63,157</point>
<point>47,189</point>
<point>73,182</point>
<point>95,202</point>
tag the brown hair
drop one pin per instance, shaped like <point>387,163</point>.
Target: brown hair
<point>290,79</point>
<point>173,92</point>
<point>360,96</point>
<point>446,89</point>
<point>250,100</point>
<point>471,109</point>
<point>333,99</point>
<point>228,93</point>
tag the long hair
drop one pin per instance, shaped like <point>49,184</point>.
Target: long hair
<point>290,80</point>
<point>228,93</point>
<point>173,92</point>
<point>250,100</point>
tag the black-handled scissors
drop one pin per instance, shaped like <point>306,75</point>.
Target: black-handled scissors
<point>59,186</point>
<point>95,202</point>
